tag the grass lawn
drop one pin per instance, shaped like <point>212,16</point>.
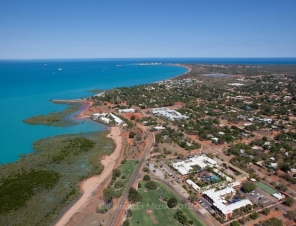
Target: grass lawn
<point>127,169</point>
<point>162,215</point>
<point>265,188</point>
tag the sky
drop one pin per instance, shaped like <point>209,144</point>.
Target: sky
<point>31,29</point>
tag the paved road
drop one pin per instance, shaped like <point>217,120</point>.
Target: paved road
<point>125,195</point>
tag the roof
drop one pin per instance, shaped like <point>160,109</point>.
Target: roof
<point>193,185</point>
<point>219,201</point>
<point>185,166</point>
<point>127,110</point>
<point>279,196</point>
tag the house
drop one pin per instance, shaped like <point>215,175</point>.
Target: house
<point>215,139</point>
<point>274,165</point>
<point>159,127</point>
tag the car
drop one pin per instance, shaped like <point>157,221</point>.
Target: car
<point>199,201</point>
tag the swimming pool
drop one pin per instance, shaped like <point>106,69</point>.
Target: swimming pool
<point>214,177</point>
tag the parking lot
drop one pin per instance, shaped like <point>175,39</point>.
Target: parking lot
<point>259,196</point>
<point>205,204</point>
<point>156,171</point>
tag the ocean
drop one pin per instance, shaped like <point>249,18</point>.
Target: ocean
<point>27,86</point>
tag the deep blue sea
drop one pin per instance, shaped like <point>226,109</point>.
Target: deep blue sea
<point>27,86</point>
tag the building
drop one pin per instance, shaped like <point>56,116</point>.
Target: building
<point>193,185</point>
<point>159,127</point>
<point>107,118</point>
<point>202,161</point>
<point>130,110</point>
<point>223,207</point>
<point>168,113</point>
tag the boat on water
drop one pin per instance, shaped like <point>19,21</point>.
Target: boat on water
<point>60,69</point>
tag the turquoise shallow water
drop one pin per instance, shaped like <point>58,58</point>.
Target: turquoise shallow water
<point>26,88</point>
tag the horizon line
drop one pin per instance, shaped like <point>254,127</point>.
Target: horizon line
<point>115,58</point>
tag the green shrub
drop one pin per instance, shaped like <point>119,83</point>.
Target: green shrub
<point>146,178</point>
<point>151,185</point>
<point>172,202</point>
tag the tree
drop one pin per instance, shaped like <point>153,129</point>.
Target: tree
<point>119,184</point>
<point>291,214</point>
<point>288,201</point>
<point>234,223</point>
<point>115,173</point>
<point>285,168</point>
<point>132,134</point>
<point>151,185</point>
<point>282,187</point>
<point>266,211</point>
<point>146,178</point>
<point>108,194</point>
<point>129,213</point>
<point>134,196</point>
<point>272,222</point>
<point>248,187</point>
<point>146,169</point>
<point>172,202</point>
<point>254,215</point>
<point>181,217</point>
<point>126,222</point>
<point>192,197</point>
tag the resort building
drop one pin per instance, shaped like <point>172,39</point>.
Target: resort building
<point>222,206</point>
<point>202,161</point>
<point>193,185</point>
<point>107,118</point>
<point>130,110</point>
<point>168,113</point>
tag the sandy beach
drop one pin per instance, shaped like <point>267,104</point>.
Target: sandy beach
<point>89,186</point>
<point>84,108</point>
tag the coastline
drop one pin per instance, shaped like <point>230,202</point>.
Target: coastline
<point>89,185</point>
<point>176,65</point>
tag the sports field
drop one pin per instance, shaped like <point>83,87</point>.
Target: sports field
<point>265,188</point>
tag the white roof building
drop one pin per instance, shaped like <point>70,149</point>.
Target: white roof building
<point>130,110</point>
<point>235,84</point>
<point>168,113</point>
<point>279,196</point>
<point>193,185</point>
<point>104,118</point>
<point>217,198</point>
<point>185,166</point>
<point>215,139</point>
<point>159,127</point>
<point>117,119</point>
